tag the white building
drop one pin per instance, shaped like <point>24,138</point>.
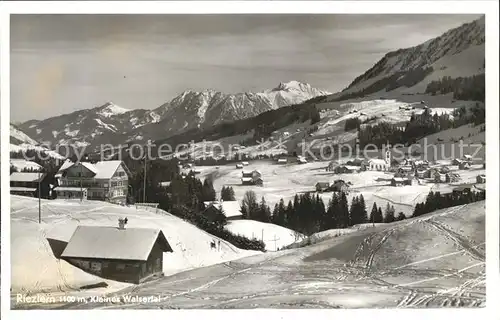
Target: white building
<point>380,164</point>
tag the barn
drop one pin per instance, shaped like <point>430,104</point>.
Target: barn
<point>322,186</point>
<point>215,210</point>
<point>132,255</point>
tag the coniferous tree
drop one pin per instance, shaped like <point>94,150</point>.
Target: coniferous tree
<point>389,214</point>
<point>343,211</point>
<point>363,215</point>
<point>376,214</point>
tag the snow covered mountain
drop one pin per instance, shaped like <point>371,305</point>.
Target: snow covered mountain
<point>459,52</point>
<point>111,124</point>
<point>21,142</point>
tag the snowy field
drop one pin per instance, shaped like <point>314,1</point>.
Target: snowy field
<point>60,218</point>
<point>284,181</point>
<point>436,260</point>
<point>274,236</point>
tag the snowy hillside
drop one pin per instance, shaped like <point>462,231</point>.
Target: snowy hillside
<point>435,260</point>
<point>191,246</point>
<point>457,53</point>
<point>21,142</point>
<point>110,123</point>
<point>274,236</point>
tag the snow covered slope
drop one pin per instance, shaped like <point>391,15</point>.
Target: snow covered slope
<point>112,124</point>
<point>457,53</point>
<point>274,236</point>
<point>433,261</point>
<point>60,218</point>
<point>21,142</point>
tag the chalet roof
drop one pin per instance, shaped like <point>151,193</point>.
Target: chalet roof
<point>230,208</point>
<point>102,169</point>
<point>349,167</point>
<point>113,243</point>
<point>398,179</point>
<point>23,189</point>
<point>246,179</point>
<point>323,184</point>
<point>26,176</point>
<point>73,189</point>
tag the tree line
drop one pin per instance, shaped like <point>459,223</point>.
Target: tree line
<point>463,88</point>
<point>435,201</point>
<point>308,214</point>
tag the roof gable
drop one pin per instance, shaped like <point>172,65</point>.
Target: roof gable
<point>113,243</point>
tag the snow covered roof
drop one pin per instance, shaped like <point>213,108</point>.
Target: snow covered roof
<point>102,169</point>
<point>246,179</point>
<point>73,189</point>
<point>26,176</point>
<point>165,183</point>
<point>22,189</point>
<point>230,208</point>
<point>398,179</point>
<point>114,243</point>
<point>349,167</point>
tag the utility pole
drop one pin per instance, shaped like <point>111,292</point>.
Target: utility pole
<point>39,197</point>
<point>145,170</point>
<point>81,185</point>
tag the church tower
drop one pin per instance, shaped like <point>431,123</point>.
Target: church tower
<point>388,158</point>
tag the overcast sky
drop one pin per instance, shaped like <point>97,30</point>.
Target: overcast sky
<point>64,63</point>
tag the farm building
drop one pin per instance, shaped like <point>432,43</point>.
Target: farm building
<point>251,178</point>
<point>452,177</point>
<point>332,165</point>
<point>404,170</point>
<point>118,253</point>
<point>421,173</point>
<point>239,166</point>
<point>245,163</point>
<point>215,210</point>
<point>282,161</point>
<point>397,181</point>
<point>409,181</point>
<point>322,186</point>
<point>464,189</point>
<point>464,165</point>
<point>439,177</point>
<point>355,162</point>
<point>339,186</point>
<point>25,183</point>
<point>347,169</point>
<point>481,178</point>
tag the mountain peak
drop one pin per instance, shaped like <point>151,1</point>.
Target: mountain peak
<point>110,109</point>
<point>292,85</point>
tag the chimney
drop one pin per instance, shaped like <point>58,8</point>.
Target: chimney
<point>121,224</point>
